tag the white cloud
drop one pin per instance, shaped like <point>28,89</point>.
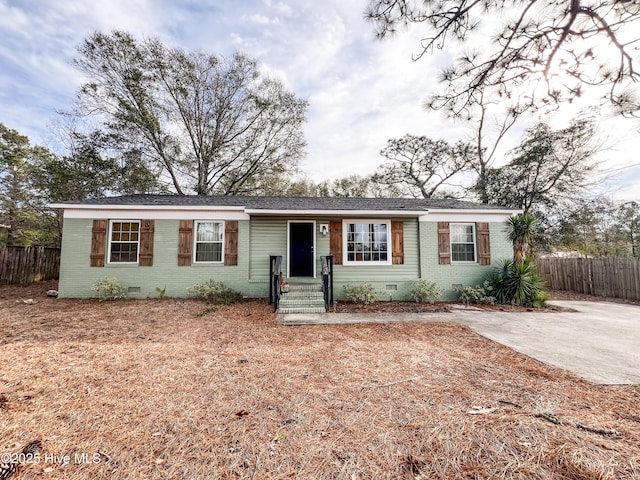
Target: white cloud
<point>361,92</point>
<point>259,19</point>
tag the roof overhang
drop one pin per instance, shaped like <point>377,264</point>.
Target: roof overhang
<point>85,206</point>
<point>468,215</point>
<point>236,212</point>
<point>152,212</point>
<point>334,213</point>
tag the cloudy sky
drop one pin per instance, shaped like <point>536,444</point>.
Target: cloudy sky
<point>361,92</point>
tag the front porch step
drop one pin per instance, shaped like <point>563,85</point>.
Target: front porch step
<point>301,302</point>
<point>302,298</point>
<point>302,295</point>
<point>286,310</point>
<point>305,287</point>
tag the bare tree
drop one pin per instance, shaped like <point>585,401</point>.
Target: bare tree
<point>490,126</point>
<point>592,42</point>
<point>349,186</point>
<point>421,167</point>
<point>207,124</point>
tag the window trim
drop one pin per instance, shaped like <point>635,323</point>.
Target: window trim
<point>195,243</point>
<point>345,242</point>
<point>475,243</point>
<point>111,241</point>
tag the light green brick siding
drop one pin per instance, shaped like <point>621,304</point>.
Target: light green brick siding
<point>257,240</point>
<point>465,274</point>
<point>77,277</point>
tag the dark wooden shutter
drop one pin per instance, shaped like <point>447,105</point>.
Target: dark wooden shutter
<point>185,243</point>
<point>335,241</point>
<point>444,243</point>
<point>397,243</point>
<point>146,243</point>
<point>484,244</point>
<point>98,243</point>
<point>231,242</point>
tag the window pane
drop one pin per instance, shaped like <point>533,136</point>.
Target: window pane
<point>462,243</point>
<point>367,242</point>
<point>208,242</point>
<point>456,233</point>
<point>462,233</point>
<point>204,232</point>
<point>124,242</point>
<point>462,252</point>
<point>208,252</point>
<point>124,252</point>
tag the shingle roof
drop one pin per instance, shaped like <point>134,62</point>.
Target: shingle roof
<point>290,203</point>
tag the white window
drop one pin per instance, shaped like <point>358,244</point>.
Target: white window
<point>463,242</point>
<point>366,242</point>
<point>208,242</point>
<point>124,241</point>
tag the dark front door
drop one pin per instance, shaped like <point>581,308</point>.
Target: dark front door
<point>301,249</point>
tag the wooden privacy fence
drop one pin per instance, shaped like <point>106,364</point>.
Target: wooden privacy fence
<point>28,264</point>
<point>617,277</point>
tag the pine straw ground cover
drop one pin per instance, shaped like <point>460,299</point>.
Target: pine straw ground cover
<point>167,389</point>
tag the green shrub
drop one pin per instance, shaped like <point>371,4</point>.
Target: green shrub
<point>364,293</point>
<point>108,289</point>
<point>214,292</point>
<point>482,294</point>
<point>423,291</point>
<point>518,284</point>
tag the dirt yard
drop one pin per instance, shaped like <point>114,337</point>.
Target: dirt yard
<point>168,389</point>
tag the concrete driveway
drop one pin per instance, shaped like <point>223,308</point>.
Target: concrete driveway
<point>599,341</point>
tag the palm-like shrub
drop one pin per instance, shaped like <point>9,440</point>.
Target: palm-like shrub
<point>520,232</point>
<point>518,284</point>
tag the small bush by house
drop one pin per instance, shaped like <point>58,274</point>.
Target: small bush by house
<point>214,292</point>
<point>423,291</point>
<point>108,289</point>
<point>364,293</point>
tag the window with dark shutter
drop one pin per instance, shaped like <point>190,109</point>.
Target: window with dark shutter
<point>335,241</point>
<point>98,243</point>
<point>231,242</point>
<point>397,243</point>
<point>146,243</point>
<point>484,243</point>
<point>444,244</point>
<point>185,243</point>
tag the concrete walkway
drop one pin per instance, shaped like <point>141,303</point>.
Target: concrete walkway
<point>599,341</point>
